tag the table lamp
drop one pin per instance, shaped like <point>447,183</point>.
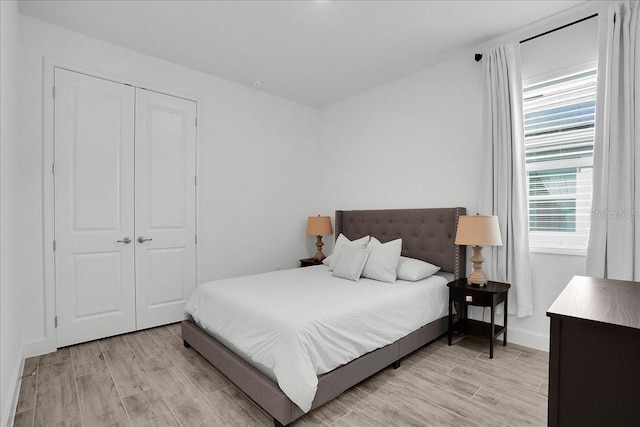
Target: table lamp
<point>319,226</point>
<point>478,231</point>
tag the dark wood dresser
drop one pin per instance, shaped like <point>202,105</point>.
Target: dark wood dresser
<point>594,357</point>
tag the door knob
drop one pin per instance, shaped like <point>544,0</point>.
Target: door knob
<point>126,241</point>
<point>141,239</point>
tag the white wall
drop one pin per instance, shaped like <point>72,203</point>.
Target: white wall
<point>411,143</point>
<point>550,273</point>
<point>11,298</point>
<point>566,48</point>
<point>256,160</point>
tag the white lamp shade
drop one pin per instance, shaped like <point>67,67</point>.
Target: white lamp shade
<point>478,230</point>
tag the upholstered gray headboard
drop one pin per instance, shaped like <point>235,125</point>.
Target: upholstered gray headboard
<point>427,234</point>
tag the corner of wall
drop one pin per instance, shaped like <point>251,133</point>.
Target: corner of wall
<point>11,298</point>
<point>9,411</point>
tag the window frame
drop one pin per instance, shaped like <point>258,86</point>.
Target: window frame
<point>539,241</point>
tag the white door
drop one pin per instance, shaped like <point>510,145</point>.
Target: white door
<point>165,207</point>
<point>94,205</point>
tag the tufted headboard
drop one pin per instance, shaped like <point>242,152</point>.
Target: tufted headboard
<point>427,234</point>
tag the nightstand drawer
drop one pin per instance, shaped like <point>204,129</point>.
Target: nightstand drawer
<point>473,298</point>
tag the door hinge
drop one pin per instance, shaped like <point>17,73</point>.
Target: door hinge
<point>196,122</point>
<point>53,168</point>
<point>53,92</point>
<point>55,322</point>
<point>54,245</point>
<point>195,238</point>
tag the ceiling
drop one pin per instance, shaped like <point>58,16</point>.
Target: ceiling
<point>312,52</point>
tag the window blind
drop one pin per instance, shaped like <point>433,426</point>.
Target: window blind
<point>559,122</point>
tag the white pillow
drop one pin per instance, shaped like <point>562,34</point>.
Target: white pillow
<point>351,262</point>
<point>412,269</point>
<point>383,260</point>
<point>327,260</point>
<point>342,241</point>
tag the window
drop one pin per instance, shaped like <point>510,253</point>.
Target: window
<point>559,122</point>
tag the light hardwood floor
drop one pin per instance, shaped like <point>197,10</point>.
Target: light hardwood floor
<point>149,378</point>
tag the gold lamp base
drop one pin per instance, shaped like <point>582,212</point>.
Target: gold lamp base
<point>477,278</point>
<point>319,256</point>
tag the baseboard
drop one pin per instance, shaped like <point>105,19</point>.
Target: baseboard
<point>9,412</point>
<point>29,349</point>
<point>38,347</point>
<point>528,338</point>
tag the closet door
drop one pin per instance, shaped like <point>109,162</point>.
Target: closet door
<point>94,205</point>
<point>165,207</point>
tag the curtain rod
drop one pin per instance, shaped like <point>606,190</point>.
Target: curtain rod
<point>478,56</point>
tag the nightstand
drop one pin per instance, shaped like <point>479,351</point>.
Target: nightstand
<point>490,295</point>
<point>308,262</point>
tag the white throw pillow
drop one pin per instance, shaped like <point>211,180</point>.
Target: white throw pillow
<point>382,264</point>
<point>327,260</point>
<point>412,269</point>
<point>340,242</point>
<point>351,262</point>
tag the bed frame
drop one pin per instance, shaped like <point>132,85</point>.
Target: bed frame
<point>427,234</point>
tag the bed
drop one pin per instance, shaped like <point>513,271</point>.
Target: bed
<point>427,234</point>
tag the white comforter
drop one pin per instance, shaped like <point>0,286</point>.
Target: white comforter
<point>303,322</point>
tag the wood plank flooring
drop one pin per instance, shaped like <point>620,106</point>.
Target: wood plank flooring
<point>148,378</point>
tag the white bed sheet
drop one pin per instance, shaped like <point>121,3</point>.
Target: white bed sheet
<point>303,322</point>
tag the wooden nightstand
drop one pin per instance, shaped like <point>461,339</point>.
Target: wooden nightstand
<point>308,262</point>
<point>490,295</point>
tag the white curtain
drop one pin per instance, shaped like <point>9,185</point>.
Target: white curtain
<point>504,184</point>
<point>614,238</point>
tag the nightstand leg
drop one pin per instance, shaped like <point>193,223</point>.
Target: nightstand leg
<point>504,336</point>
<point>493,328</point>
<point>450,318</point>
